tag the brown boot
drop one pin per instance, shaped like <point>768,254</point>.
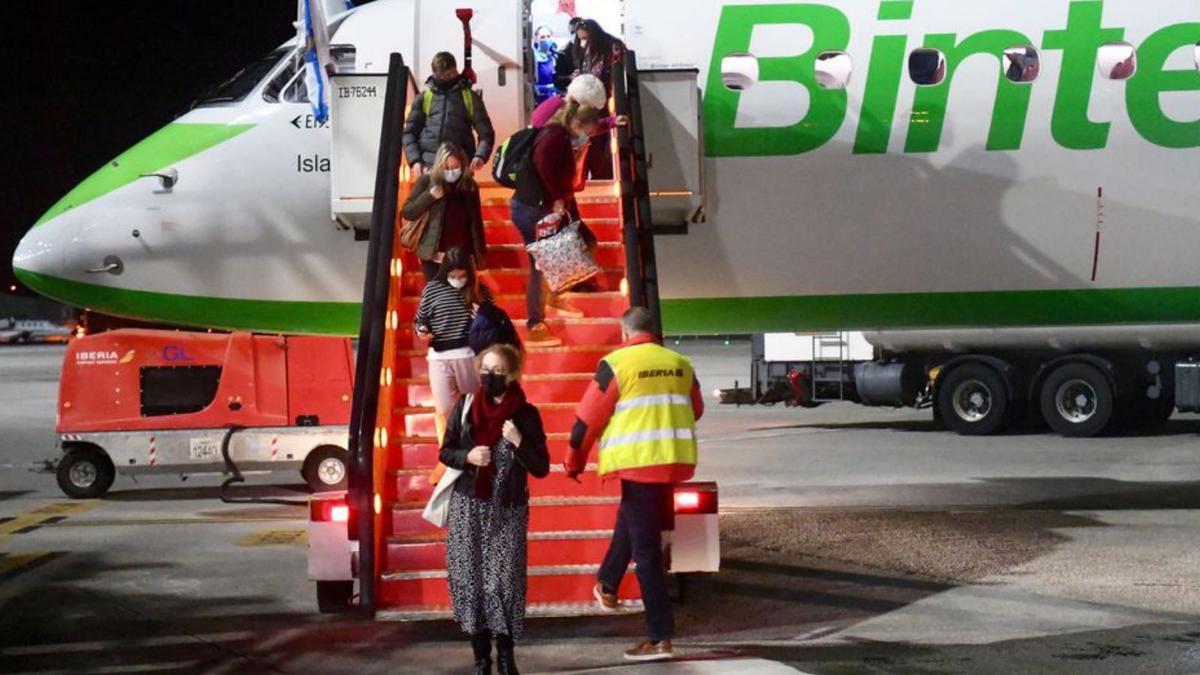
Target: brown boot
<point>650,651</point>
<point>608,601</point>
<point>540,336</point>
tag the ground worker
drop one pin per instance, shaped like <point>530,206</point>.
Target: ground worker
<point>643,405</point>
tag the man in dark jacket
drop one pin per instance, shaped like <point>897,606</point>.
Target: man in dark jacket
<point>448,110</point>
<point>566,66</point>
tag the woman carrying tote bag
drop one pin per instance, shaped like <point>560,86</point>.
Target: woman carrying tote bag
<point>496,444</point>
<point>443,211</point>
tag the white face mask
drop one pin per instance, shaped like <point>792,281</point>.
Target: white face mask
<point>459,283</point>
<point>583,43</point>
<point>579,141</point>
<point>452,175</point>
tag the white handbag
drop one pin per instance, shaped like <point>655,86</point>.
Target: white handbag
<point>437,511</point>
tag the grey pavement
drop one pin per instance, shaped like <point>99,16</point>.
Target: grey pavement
<point>854,541</point>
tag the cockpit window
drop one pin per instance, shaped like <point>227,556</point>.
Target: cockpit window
<point>240,85</point>
<point>289,84</point>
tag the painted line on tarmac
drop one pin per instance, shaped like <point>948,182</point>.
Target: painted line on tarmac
<point>122,522</point>
<point>13,564</point>
<point>105,645</point>
<point>274,538</point>
<point>47,514</point>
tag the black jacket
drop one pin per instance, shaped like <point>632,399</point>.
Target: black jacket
<point>569,60</point>
<point>420,200</point>
<point>447,121</point>
<point>532,456</point>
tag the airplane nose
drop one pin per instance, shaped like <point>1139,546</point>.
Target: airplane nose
<point>39,257</point>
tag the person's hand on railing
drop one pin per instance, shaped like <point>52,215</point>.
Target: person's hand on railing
<point>622,121</point>
<point>476,164</point>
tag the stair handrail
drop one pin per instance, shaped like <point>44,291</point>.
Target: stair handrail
<point>372,322</point>
<point>641,267</point>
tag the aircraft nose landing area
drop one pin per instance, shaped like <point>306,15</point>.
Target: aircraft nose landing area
<point>854,541</point>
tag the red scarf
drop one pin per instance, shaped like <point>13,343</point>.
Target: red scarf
<point>487,425</point>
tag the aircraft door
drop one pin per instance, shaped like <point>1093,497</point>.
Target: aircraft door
<point>496,29</point>
<point>674,152</point>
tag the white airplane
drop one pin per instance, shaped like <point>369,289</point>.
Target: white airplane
<point>897,166</point>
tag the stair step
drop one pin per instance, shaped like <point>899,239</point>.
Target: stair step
<point>544,548</point>
<point>562,388</point>
<point>422,451</point>
<point>557,418</point>
<point>540,610</point>
<point>542,361</point>
<point>505,232</point>
<point>508,280</point>
<point>545,584</point>
<point>607,254</point>
<point>590,208</point>
<point>587,331</point>
<point>602,304</point>
<point>412,484</point>
<point>546,514</point>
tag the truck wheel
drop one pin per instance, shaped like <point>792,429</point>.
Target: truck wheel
<point>973,401</point>
<point>85,473</point>
<point>1077,400</point>
<point>333,597</point>
<point>326,469</point>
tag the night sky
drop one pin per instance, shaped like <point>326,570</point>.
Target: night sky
<point>86,79</point>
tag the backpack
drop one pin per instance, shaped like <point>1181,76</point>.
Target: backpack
<point>468,100</point>
<point>492,326</point>
<point>513,155</point>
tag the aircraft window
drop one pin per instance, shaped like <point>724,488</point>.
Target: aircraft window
<point>1117,60</point>
<point>174,390</point>
<point>834,70</point>
<point>739,71</point>
<point>1023,64</point>
<point>927,67</point>
<point>240,85</point>
<point>289,83</point>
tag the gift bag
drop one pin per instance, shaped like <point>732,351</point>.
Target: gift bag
<point>563,258</point>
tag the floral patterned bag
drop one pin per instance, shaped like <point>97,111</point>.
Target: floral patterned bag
<point>563,258</point>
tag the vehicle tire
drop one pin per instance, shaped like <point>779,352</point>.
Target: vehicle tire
<point>85,473</point>
<point>327,469</point>
<point>1077,400</point>
<point>333,597</point>
<point>973,401</point>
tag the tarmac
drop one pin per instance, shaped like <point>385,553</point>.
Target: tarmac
<point>853,541</point>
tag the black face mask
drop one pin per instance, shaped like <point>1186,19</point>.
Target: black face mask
<point>494,384</point>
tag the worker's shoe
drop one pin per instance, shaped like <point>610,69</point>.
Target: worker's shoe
<point>650,651</point>
<point>540,336</point>
<point>608,601</point>
<point>559,304</point>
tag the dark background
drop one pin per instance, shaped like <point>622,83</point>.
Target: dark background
<point>83,80</point>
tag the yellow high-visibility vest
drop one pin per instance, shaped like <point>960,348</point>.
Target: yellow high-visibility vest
<point>653,424</point>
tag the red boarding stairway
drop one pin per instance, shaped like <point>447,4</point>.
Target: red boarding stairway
<point>570,524</point>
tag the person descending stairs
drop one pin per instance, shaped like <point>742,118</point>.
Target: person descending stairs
<point>570,523</point>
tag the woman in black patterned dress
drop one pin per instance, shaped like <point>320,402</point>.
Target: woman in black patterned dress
<point>497,442</point>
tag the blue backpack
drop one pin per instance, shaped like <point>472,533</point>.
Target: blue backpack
<point>492,326</point>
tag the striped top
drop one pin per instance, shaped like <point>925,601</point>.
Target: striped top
<point>445,312</point>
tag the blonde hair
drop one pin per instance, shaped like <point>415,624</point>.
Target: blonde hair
<point>437,174</point>
<point>575,112</point>
<point>512,358</point>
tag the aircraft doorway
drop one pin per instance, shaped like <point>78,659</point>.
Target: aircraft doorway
<point>549,40</point>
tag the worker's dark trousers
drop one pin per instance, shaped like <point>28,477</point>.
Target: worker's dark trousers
<point>646,508</point>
